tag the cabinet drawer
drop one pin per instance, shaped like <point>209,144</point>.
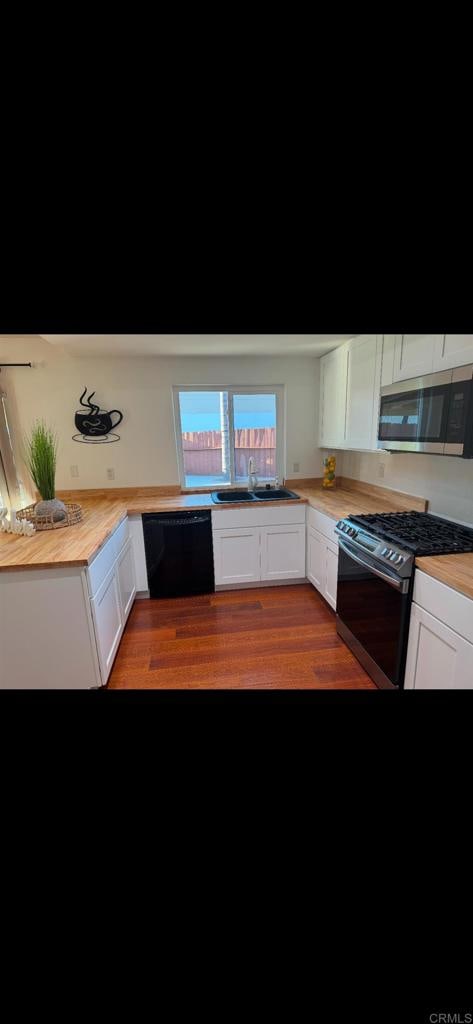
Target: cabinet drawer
<point>229,519</point>
<point>102,563</point>
<point>324,524</point>
<point>446,604</point>
<point>120,536</point>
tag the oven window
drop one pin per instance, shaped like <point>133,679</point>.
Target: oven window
<point>416,416</point>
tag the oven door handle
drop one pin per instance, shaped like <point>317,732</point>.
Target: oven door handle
<point>401,585</point>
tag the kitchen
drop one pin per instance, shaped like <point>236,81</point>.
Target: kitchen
<point>167,583</point>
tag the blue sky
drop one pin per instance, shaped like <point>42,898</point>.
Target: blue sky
<point>200,410</point>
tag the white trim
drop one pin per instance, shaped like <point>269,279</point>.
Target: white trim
<point>244,389</point>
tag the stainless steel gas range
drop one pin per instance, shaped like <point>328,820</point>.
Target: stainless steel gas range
<point>375,580</point>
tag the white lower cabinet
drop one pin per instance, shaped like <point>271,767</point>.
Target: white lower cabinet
<point>108,621</point>
<point>316,558</point>
<point>111,603</point>
<point>72,618</point>
<point>437,657</point>
<point>258,544</point>
<point>322,565</point>
<point>282,552</point>
<point>236,555</point>
<point>139,555</point>
<point>322,555</point>
<point>126,579</point>
<point>330,592</point>
<point>440,647</point>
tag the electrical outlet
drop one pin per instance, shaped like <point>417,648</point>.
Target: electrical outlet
<point>296,467</point>
<point>111,474</point>
<point>381,469</point>
<point>74,471</point>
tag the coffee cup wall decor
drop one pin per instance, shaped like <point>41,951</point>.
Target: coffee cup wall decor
<point>94,424</point>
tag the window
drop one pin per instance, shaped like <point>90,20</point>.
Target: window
<point>218,429</point>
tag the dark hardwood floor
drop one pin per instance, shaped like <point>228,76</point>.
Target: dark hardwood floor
<point>271,637</point>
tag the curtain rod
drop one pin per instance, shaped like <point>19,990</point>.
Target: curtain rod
<point>14,364</point>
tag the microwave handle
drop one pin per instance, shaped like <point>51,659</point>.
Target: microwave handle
<point>400,585</point>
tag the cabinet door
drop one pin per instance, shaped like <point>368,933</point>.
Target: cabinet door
<point>236,555</point>
<point>387,363</point>
<point>139,557</point>
<point>414,354</point>
<point>437,658</point>
<point>108,623</point>
<point>364,369</point>
<point>330,593</point>
<point>333,398</point>
<point>316,558</point>
<point>126,579</point>
<point>453,350</point>
<point>282,552</point>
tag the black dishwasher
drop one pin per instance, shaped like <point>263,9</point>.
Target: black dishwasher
<point>179,553</point>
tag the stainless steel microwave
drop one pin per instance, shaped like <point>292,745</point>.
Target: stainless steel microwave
<point>432,414</point>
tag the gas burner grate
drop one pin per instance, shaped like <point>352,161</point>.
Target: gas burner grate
<point>418,532</point>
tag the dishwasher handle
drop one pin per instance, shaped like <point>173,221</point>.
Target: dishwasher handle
<point>190,520</point>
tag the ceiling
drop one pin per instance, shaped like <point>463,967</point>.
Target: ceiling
<point>197,344</point>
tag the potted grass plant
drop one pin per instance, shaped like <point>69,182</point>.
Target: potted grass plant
<point>41,457</point>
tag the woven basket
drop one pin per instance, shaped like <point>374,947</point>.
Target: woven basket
<point>73,515</point>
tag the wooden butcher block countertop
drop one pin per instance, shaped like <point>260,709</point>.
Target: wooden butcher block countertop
<point>353,497</point>
<point>454,570</point>
<point>103,511</point>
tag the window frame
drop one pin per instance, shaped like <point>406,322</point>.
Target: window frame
<point>8,469</point>
<point>243,389</point>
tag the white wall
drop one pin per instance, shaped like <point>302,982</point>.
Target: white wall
<point>142,389</point>
<point>446,481</point>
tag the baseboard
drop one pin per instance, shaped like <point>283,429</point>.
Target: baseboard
<point>259,583</point>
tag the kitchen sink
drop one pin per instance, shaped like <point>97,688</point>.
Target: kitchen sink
<point>222,497</point>
<point>273,494</point>
<point>259,494</point>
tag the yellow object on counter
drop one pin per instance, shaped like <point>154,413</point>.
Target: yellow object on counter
<point>329,471</point>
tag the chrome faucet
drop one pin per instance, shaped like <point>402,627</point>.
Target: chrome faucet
<point>252,478</point>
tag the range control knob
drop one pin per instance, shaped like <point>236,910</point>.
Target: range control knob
<point>393,556</point>
<point>384,551</point>
<point>399,559</point>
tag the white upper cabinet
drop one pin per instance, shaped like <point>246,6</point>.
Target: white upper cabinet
<point>387,362</point>
<point>364,369</point>
<point>349,394</point>
<point>333,398</point>
<point>414,354</point>
<point>453,350</point>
